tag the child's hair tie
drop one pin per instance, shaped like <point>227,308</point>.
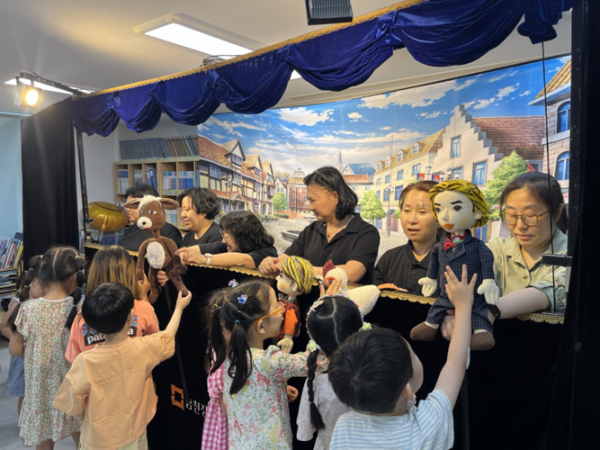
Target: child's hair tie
<point>236,321</point>
<point>365,326</point>
<point>233,283</point>
<point>216,306</point>
<point>242,299</point>
<point>313,346</point>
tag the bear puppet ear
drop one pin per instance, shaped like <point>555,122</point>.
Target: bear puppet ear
<point>168,203</point>
<point>132,204</point>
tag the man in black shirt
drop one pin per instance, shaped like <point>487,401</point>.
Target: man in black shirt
<point>134,236</point>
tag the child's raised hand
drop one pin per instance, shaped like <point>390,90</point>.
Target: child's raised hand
<point>182,301</point>
<point>333,289</point>
<point>460,293</point>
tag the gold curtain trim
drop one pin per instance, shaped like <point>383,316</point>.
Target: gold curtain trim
<point>543,318</point>
<point>305,37</point>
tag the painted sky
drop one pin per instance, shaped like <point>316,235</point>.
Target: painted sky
<point>369,129</point>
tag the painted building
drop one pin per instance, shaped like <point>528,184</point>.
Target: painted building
<point>236,178</point>
<point>296,192</point>
<point>400,169</point>
<point>359,169</point>
<point>359,184</point>
<point>281,187</point>
<point>558,93</point>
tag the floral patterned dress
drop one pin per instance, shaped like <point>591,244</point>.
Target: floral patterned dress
<point>258,416</point>
<point>42,324</point>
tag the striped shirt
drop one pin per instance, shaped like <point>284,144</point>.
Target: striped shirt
<point>428,426</point>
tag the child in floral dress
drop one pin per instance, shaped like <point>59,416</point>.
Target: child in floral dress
<point>254,392</point>
<point>43,324</point>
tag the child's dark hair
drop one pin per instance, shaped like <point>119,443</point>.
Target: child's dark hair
<point>241,306</point>
<point>370,370</point>
<point>211,314</point>
<point>58,265</point>
<point>106,309</point>
<point>23,288</point>
<point>329,325</point>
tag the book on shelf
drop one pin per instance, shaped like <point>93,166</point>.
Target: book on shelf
<point>11,251</point>
<point>169,183</point>
<point>186,180</point>
<point>152,148</point>
<point>151,177</point>
<point>171,216</point>
<point>138,178</point>
<point>122,180</point>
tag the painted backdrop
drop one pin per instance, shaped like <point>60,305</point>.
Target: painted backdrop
<point>485,128</point>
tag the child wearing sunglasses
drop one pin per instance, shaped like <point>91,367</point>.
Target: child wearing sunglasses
<point>254,394</point>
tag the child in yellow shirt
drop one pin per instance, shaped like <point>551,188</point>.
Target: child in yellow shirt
<point>110,388</point>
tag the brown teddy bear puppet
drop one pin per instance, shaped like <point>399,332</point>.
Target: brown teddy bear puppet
<point>158,250</point>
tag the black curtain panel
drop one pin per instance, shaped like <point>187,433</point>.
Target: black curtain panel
<point>49,187</point>
<point>575,413</point>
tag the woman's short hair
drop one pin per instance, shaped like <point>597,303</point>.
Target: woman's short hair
<point>331,179</point>
<point>204,201</point>
<point>545,189</point>
<point>247,230</point>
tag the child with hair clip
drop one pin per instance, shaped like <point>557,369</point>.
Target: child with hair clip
<point>330,321</point>
<point>254,391</point>
<point>15,385</point>
<point>43,324</point>
<point>115,264</point>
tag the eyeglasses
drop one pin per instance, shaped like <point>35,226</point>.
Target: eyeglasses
<point>278,310</point>
<point>528,219</point>
<point>224,234</point>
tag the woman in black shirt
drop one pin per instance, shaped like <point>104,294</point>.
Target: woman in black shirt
<point>199,207</point>
<point>245,243</point>
<point>338,234</point>
<point>402,267</point>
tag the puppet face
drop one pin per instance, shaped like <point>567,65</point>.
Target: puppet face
<point>455,211</point>
<point>286,285</point>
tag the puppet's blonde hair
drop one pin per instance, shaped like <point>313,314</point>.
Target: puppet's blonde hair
<point>299,270</point>
<point>470,190</point>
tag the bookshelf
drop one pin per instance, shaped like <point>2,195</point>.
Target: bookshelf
<point>8,280</point>
<point>170,176</point>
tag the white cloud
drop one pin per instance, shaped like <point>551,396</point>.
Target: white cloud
<point>418,96</point>
<point>483,103</point>
<point>432,115</point>
<point>303,116</point>
<point>466,84</point>
<point>230,126</point>
<point>502,76</point>
<point>523,94</point>
<point>355,116</point>
<point>505,91</point>
<point>385,128</point>
<point>469,104</point>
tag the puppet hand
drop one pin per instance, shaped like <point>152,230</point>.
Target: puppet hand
<point>161,277</point>
<point>490,291</point>
<point>429,286</point>
<point>292,393</point>
<point>286,344</point>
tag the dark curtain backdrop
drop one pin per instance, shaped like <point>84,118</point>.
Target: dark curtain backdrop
<point>575,413</point>
<point>49,188</point>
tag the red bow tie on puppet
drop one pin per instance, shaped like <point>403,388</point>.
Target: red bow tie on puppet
<point>453,241</point>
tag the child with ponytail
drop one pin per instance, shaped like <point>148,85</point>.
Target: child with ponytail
<point>254,390</point>
<point>43,324</point>
<point>330,321</point>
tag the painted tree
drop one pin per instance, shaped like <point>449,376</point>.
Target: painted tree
<point>371,207</point>
<point>510,167</point>
<point>280,202</point>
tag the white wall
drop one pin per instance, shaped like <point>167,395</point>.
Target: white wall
<point>11,178</point>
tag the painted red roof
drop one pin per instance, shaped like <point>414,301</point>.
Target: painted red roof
<point>523,134</point>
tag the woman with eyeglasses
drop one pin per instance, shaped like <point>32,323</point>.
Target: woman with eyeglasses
<point>245,243</point>
<point>532,207</point>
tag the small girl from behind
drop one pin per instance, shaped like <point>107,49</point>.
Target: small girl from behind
<point>254,392</point>
<point>43,324</point>
<point>15,385</point>
<point>330,321</point>
<point>113,264</point>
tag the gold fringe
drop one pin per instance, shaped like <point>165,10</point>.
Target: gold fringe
<point>543,318</point>
<point>305,37</point>
<point>407,297</point>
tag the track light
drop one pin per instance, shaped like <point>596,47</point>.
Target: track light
<point>31,97</point>
<point>29,88</point>
<point>321,12</point>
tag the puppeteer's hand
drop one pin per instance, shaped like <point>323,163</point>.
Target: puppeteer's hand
<point>286,344</point>
<point>292,393</point>
<point>392,286</point>
<point>190,255</point>
<point>429,286</point>
<point>490,291</point>
<point>270,266</point>
<point>162,278</point>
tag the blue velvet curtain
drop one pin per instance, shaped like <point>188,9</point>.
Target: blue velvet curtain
<point>435,32</point>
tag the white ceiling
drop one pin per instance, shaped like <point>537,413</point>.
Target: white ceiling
<point>93,44</point>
